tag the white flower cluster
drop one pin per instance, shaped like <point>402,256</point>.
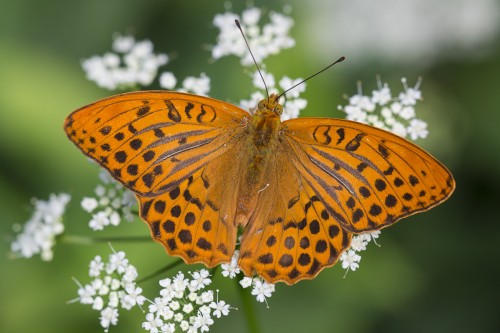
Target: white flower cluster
<point>196,85</point>
<point>410,32</point>
<point>265,41</point>
<point>113,286</point>
<point>184,304</point>
<point>292,103</point>
<point>132,63</point>
<point>384,111</point>
<point>261,289</point>
<point>39,233</point>
<point>350,258</point>
<point>113,202</point>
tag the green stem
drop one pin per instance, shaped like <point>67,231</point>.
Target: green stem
<point>161,270</point>
<point>248,308</point>
<point>85,240</point>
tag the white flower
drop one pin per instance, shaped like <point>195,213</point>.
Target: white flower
<point>246,282</point>
<point>394,114</point>
<point>372,235</point>
<point>114,218</point>
<point>152,323</point>
<point>407,112</point>
<point>268,78</point>
<point>381,96</point>
<point>205,297</point>
<point>203,321</point>
<point>292,108</point>
<point>287,83</point>
<point>134,297</point>
<point>197,85</point>
<point>134,64</point>
<point>270,39</point>
<point>187,308</point>
<point>220,308</point>
<point>109,316</point>
<point>417,129</point>
<point>251,16</point>
<point>98,303</point>
<point>111,288</point>
<point>179,283</point>
<point>185,304</point>
<point>396,107</point>
<point>114,203</point>
<point>262,289</point>
<point>399,129</point>
<point>89,204</point>
<point>99,221</point>
<point>415,32</point>
<point>200,279</point>
<point>123,44</point>
<point>168,328</point>
<point>350,260</point>
<point>184,325</point>
<point>174,305</point>
<point>158,305</point>
<point>168,80</point>
<point>40,231</point>
<point>96,266</point>
<point>86,294</point>
<point>179,316</point>
<point>230,270</point>
<point>130,274</point>
<point>117,262</point>
<point>359,243</point>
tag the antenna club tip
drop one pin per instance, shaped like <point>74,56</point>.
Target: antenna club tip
<point>237,22</point>
<point>341,59</point>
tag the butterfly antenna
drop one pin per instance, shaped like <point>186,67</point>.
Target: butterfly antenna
<point>254,61</point>
<point>310,77</point>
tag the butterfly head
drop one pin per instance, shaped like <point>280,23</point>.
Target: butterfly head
<point>270,107</point>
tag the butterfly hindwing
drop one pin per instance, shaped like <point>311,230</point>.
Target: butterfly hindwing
<point>291,236</point>
<point>368,178</point>
<point>195,219</point>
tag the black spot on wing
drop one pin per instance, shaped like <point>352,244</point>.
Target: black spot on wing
<point>172,114</point>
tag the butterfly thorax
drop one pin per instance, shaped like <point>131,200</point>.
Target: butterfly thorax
<point>261,144</point>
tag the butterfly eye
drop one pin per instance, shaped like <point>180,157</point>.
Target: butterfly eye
<point>278,109</point>
<point>261,105</point>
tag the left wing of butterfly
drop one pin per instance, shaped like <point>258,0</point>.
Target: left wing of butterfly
<point>333,178</point>
<point>177,152</point>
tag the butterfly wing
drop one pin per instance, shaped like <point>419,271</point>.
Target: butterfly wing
<point>291,235</point>
<point>330,179</point>
<point>367,178</point>
<point>151,141</point>
<point>176,152</point>
<point>195,219</point>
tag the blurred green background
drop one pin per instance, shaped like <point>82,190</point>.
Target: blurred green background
<point>435,272</point>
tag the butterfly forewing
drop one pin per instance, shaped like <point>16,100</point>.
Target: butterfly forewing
<point>150,141</point>
<point>368,178</point>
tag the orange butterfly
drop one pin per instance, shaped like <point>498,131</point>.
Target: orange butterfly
<point>298,189</point>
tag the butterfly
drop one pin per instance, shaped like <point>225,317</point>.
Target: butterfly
<point>204,170</point>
